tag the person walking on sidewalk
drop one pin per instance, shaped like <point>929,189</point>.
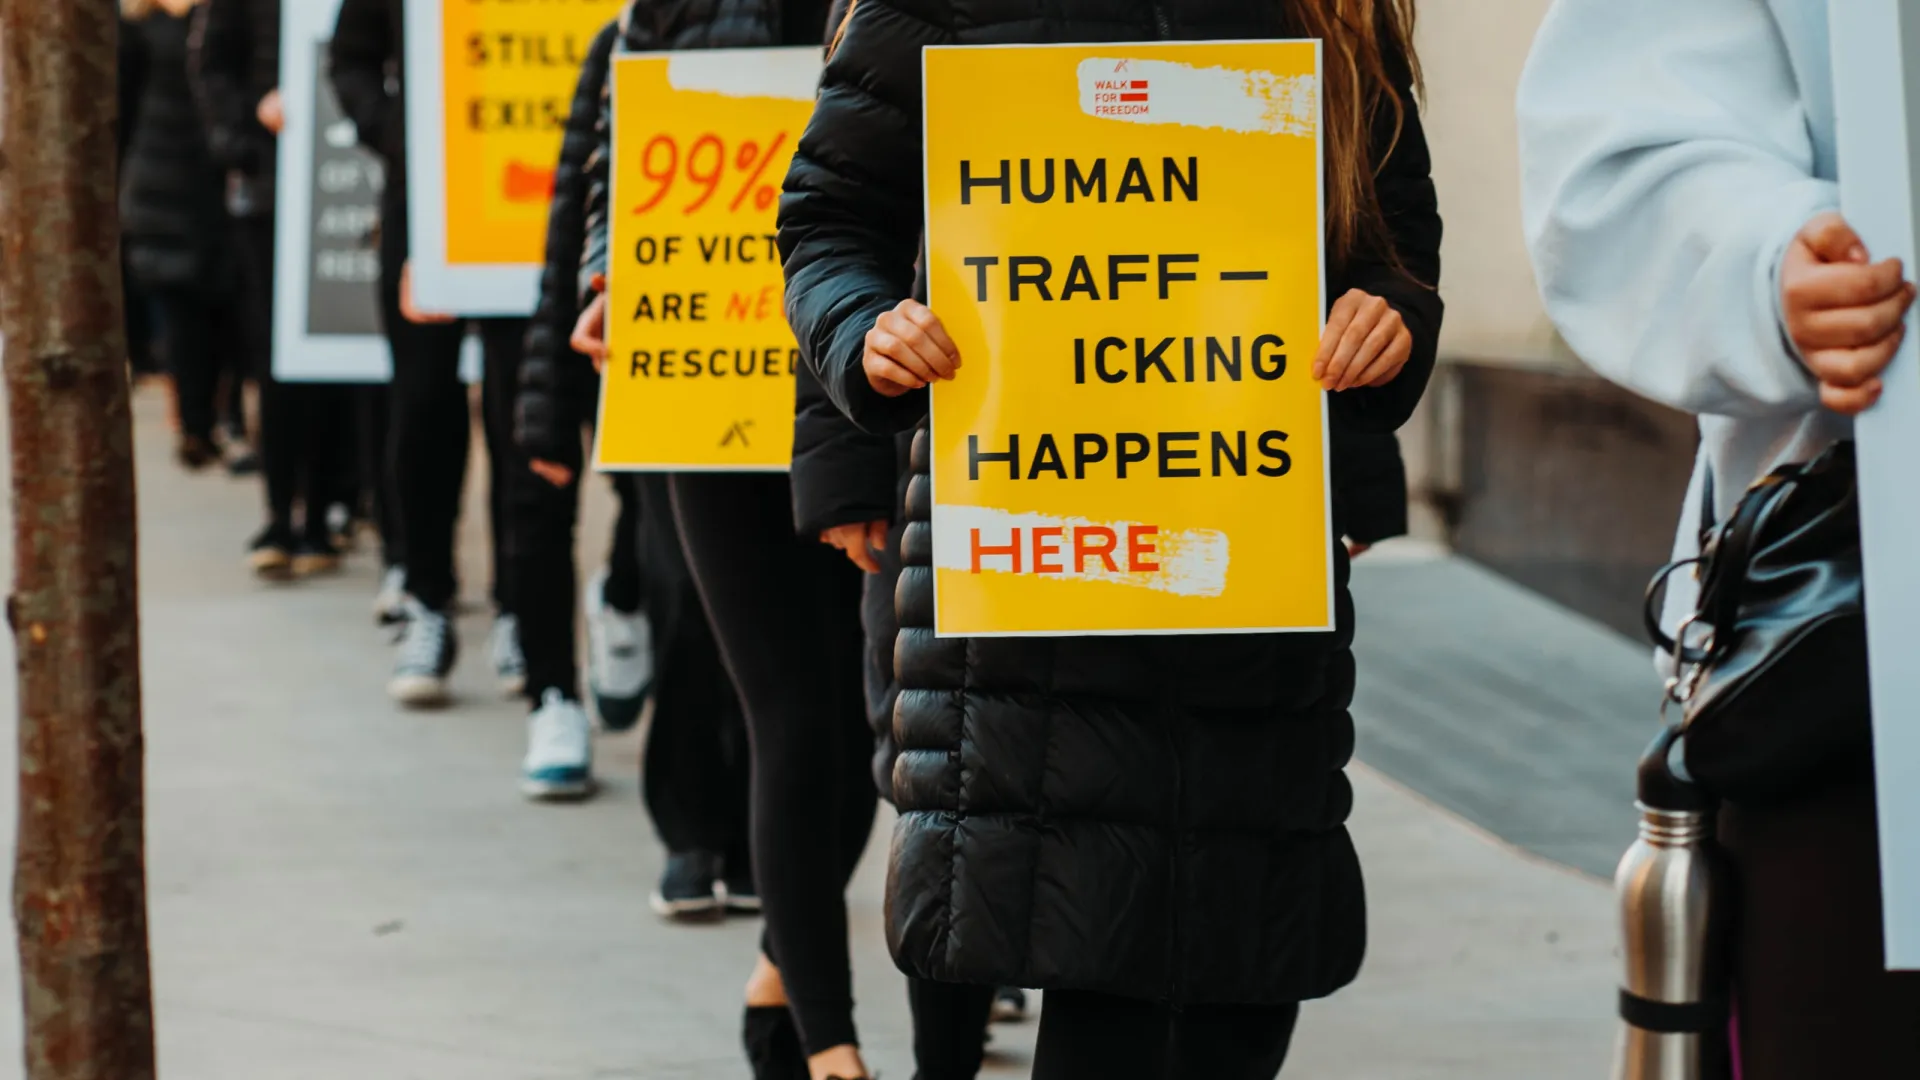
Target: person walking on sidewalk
<point>430,423</point>
<point>786,612</point>
<point>1191,979</point>
<point>306,430</point>
<point>178,239</point>
<point>1679,178</point>
<point>694,767</point>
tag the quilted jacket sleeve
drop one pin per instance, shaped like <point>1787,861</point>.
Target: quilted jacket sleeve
<point>850,218</point>
<point>557,384</point>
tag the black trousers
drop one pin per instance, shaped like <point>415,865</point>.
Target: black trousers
<point>308,431</point>
<point>541,568</point>
<point>1810,980</point>
<point>949,1028</point>
<point>1087,1036</point>
<point>695,770</point>
<point>202,337</point>
<point>786,614</point>
<point>430,428</point>
<point>372,408</point>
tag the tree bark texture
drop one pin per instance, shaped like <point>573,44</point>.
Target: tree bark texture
<point>80,871</point>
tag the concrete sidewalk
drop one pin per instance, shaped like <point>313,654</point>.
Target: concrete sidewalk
<point>340,889</point>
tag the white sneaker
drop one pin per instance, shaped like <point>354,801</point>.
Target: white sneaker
<point>509,664</point>
<point>619,658</point>
<point>390,603</point>
<point>423,659</point>
<point>559,763</point>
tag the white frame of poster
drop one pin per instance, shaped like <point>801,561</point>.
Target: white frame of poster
<point>1875,50</point>
<point>297,355</point>
<point>492,289</point>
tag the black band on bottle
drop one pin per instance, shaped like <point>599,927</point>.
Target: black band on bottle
<point>1670,1018</point>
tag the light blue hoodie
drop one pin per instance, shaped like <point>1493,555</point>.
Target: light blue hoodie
<point>1670,150</point>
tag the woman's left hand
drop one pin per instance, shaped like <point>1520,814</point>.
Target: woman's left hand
<point>1366,343</point>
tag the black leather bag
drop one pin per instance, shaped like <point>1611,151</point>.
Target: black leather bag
<point>1771,669</point>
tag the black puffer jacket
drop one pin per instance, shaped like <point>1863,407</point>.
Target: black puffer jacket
<point>236,62</point>
<point>369,45</point>
<point>1158,817</point>
<point>172,196</point>
<point>557,385</point>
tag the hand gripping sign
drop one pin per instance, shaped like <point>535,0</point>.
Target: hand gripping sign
<point>489,86</point>
<point>700,363</point>
<point>1125,242</point>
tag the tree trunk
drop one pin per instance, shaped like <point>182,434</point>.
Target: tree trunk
<point>80,871</point>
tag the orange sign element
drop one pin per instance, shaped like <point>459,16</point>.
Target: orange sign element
<point>509,74</point>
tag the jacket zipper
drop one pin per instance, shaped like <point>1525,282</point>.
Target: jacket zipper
<point>1162,26</point>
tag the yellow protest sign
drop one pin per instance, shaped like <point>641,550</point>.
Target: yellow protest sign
<point>509,71</point>
<point>700,363</point>
<point>489,84</point>
<point>1125,241</point>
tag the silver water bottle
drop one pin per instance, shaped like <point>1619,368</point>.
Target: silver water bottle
<point>1672,887</point>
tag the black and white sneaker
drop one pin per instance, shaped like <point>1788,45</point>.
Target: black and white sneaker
<point>1009,1006</point>
<point>390,604</point>
<point>423,658</point>
<point>688,886</point>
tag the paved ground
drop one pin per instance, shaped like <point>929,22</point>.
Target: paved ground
<point>342,890</point>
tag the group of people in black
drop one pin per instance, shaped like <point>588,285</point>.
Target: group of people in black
<point>1150,829</point>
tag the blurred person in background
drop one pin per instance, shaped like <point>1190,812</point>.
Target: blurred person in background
<point>306,430</point>
<point>179,252</point>
<point>430,424</point>
<point>1679,167</point>
<point>695,763</point>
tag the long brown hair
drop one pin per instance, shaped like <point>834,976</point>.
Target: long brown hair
<point>1361,39</point>
<point>1363,42</point>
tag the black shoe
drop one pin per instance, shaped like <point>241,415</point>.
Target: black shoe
<point>240,457</point>
<point>773,1043</point>
<point>195,452</point>
<point>1009,1006</point>
<point>314,556</point>
<point>270,555</point>
<point>687,887</point>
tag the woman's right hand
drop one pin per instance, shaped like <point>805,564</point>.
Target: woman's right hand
<point>270,113</point>
<point>907,349</point>
<point>1845,314</point>
<point>859,539</point>
<point>590,330</point>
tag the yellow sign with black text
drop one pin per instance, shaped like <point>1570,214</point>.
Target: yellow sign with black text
<point>508,76</point>
<point>700,363</point>
<point>1125,242</point>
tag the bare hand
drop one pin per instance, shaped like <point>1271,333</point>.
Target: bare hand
<point>1366,343</point>
<point>859,540</point>
<point>1846,315</point>
<point>590,332</point>
<point>551,471</point>
<point>269,112</point>
<point>907,349</point>
<point>407,310</point>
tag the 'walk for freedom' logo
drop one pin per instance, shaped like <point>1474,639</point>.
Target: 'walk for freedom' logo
<point>1165,92</point>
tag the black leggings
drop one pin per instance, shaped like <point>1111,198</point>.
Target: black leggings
<point>786,614</point>
<point>1084,1036</point>
<point>307,430</point>
<point>431,427</point>
<point>201,335</point>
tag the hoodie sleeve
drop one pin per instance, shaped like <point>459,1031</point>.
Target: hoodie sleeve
<point>1666,165</point>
